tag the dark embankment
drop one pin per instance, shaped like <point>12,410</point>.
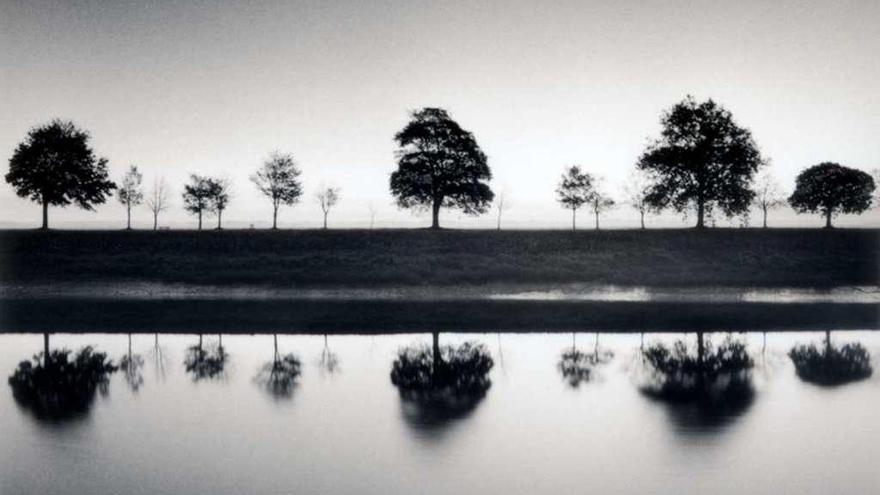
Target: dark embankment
<point>339,316</point>
<point>359,258</point>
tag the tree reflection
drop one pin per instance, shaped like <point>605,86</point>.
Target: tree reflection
<point>204,362</point>
<point>279,375</point>
<point>160,360</point>
<point>329,362</point>
<point>438,384</point>
<point>60,385</point>
<point>831,365</point>
<point>578,367</point>
<point>131,366</point>
<point>708,387</point>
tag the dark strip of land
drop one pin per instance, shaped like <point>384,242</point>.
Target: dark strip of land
<point>362,258</point>
<point>374,317</point>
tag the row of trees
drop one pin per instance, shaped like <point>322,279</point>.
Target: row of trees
<point>702,163</point>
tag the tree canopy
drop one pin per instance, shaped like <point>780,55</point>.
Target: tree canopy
<point>278,179</point>
<point>439,164</point>
<point>576,188</point>
<point>703,160</point>
<point>197,196</point>
<point>129,192</point>
<point>55,166</point>
<point>830,189</point>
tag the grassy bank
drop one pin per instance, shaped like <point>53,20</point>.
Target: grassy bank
<point>359,258</point>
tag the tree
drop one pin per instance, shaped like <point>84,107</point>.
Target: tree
<point>768,194</point>
<point>278,179</point>
<point>55,166</point>
<point>218,198</point>
<point>371,209</point>
<point>130,193</point>
<point>501,204</point>
<point>635,190</point>
<point>197,196</point>
<point>600,203</point>
<point>327,197</point>
<point>158,200</point>
<point>440,165</point>
<point>703,160</point>
<point>830,189</point>
<point>575,189</point>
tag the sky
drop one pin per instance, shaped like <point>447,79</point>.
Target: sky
<point>213,87</point>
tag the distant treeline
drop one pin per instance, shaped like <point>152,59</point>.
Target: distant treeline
<point>702,163</point>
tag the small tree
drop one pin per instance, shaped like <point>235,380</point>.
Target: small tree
<point>635,191</point>
<point>278,179</point>
<point>218,198</point>
<point>830,189</point>
<point>575,189</point>
<point>501,204</point>
<point>130,193</point>
<point>702,160</point>
<point>158,199</point>
<point>599,203</point>
<point>768,194</point>
<point>440,165</point>
<point>197,196</point>
<point>55,166</point>
<point>327,197</point>
<point>371,209</point>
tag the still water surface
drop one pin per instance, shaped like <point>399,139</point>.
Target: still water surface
<point>345,429</point>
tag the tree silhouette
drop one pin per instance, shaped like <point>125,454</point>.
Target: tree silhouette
<point>55,166</point>
<point>768,194</point>
<point>575,189</point>
<point>129,192</point>
<point>501,204</point>
<point>197,196</point>
<point>600,203</point>
<point>829,188</point>
<point>703,160</point>
<point>278,179</point>
<point>440,165</point>
<point>327,197</point>
<point>635,190</point>
<point>218,198</point>
<point>279,376</point>
<point>158,199</point>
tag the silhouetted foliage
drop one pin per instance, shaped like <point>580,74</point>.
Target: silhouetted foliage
<point>443,382</point>
<point>55,166</point>
<point>218,198</point>
<point>327,197</point>
<point>205,363</point>
<point>831,365</point>
<point>278,179</point>
<point>703,160</point>
<point>439,165</point>
<point>600,203</point>
<point>578,367</point>
<point>197,196</point>
<point>576,188</point>
<point>130,193</point>
<point>279,376</point>
<point>829,188</point>
<point>60,387</point>
<point>131,366</point>
<point>329,361</point>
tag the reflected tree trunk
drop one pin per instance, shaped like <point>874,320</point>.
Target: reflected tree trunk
<point>45,348</point>
<point>596,347</point>
<point>436,346</point>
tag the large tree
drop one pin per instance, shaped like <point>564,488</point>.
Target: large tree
<point>439,164</point>
<point>130,192</point>
<point>197,196</point>
<point>829,188</point>
<point>278,179</point>
<point>576,188</point>
<point>702,161</point>
<point>55,166</point>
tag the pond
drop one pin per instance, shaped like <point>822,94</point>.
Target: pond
<point>511,413</point>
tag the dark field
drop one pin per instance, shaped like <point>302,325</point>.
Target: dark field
<point>360,258</point>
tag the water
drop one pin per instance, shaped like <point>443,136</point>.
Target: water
<point>347,430</point>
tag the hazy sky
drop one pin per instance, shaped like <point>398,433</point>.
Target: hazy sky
<point>212,87</point>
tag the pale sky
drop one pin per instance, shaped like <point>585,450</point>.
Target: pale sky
<point>213,87</point>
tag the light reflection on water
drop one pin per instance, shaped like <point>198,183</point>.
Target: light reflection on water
<point>349,430</point>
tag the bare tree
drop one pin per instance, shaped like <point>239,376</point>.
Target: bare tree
<point>635,190</point>
<point>278,179</point>
<point>501,204</point>
<point>768,194</point>
<point>371,208</point>
<point>158,199</point>
<point>130,193</point>
<point>327,197</point>
<point>600,202</point>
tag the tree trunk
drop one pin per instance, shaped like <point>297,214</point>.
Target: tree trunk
<point>128,214</point>
<point>219,219</point>
<point>701,207</point>
<point>435,215</point>
<point>45,215</point>
<point>45,349</point>
<point>200,219</point>
<point>436,348</point>
<point>574,219</point>
<point>700,350</point>
<point>274,217</point>
<point>765,217</point>
<point>828,219</point>
<point>155,220</point>
<point>325,220</point>
<point>642,218</point>
<point>597,220</point>
<point>499,219</point>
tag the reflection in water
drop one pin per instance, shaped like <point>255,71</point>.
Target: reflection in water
<point>329,362</point>
<point>54,386</point>
<point>205,363</point>
<point>160,360</point>
<point>579,367</point>
<point>132,366</point>
<point>279,375</point>
<point>438,384</point>
<point>703,388</point>
<point>831,365</point>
